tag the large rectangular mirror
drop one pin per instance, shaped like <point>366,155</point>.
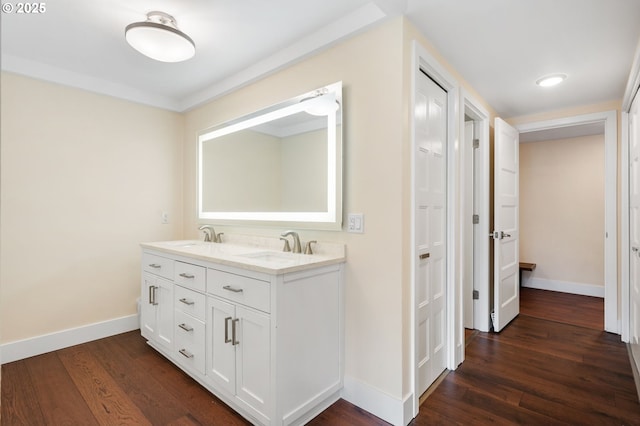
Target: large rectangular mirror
<point>281,165</point>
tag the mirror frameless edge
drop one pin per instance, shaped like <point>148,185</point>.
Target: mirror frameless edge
<point>279,166</point>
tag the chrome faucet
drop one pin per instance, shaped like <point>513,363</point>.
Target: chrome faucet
<point>210,234</point>
<point>296,241</point>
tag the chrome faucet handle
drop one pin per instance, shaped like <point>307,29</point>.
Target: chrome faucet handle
<point>209,232</point>
<point>296,241</point>
<point>307,247</point>
<point>286,247</point>
<point>218,237</point>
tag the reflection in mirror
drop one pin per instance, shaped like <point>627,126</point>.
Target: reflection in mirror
<point>282,164</point>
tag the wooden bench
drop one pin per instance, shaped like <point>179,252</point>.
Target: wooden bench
<point>526,266</point>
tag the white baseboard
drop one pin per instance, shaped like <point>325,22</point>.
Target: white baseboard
<point>564,286</point>
<point>392,410</point>
<point>20,349</point>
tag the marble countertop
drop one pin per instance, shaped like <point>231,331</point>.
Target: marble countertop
<point>260,254</point>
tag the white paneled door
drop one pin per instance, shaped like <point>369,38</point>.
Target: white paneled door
<point>430,229</point>
<point>506,225</point>
<point>634,227</point>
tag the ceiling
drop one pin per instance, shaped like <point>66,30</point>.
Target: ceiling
<point>499,46</point>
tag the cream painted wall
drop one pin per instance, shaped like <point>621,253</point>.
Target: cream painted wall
<point>369,65</point>
<point>562,209</point>
<point>84,178</point>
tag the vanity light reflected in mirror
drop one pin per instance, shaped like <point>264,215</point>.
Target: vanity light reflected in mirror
<point>281,165</point>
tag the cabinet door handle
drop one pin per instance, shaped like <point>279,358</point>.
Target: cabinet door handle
<point>187,301</point>
<point>155,266</point>
<point>185,275</point>
<point>153,295</point>
<point>425,256</point>
<point>185,327</point>
<point>235,290</point>
<point>233,332</point>
<point>186,353</point>
<point>226,329</point>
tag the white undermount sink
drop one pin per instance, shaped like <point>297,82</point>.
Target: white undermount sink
<point>185,243</point>
<point>272,257</point>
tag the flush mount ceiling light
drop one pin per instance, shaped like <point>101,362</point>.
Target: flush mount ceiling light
<point>159,38</point>
<point>551,80</point>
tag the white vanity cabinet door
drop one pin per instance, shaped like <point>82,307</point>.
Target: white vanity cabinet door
<point>253,358</point>
<point>156,318</point>
<point>238,353</point>
<point>221,360</point>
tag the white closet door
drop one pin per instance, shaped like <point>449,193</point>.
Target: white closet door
<point>634,227</point>
<point>430,229</point>
<point>506,225</point>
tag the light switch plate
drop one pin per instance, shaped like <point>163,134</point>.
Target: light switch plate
<point>355,222</point>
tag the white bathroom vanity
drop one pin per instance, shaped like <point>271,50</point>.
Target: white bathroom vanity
<point>261,329</point>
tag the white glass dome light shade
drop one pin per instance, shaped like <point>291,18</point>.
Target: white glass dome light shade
<point>160,39</point>
<point>321,104</point>
<point>551,80</point>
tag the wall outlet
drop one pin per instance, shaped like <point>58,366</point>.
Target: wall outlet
<point>355,222</point>
<point>165,218</point>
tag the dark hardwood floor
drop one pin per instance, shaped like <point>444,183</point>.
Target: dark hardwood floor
<point>542,369</point>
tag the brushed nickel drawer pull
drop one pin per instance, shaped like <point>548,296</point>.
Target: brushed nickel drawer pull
<point>235,290</point>
<point>425,256</point>
<point>186,353</point>
<point>185,327</point>
<point>155,266</point>
<point>233,332</point>
<point>226,329</point>
<point>185,275</point>
<point>187,301</point>
<point>152,295</point>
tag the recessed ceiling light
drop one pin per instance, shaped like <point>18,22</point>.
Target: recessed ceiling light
<point>159,38</point>
<point>551,80</point>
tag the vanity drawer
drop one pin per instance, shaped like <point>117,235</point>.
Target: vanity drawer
<point>190,341</point>
<point>248,291</point>
<point>157,265</point>
<point>190,302</point>
<point>189,275</point>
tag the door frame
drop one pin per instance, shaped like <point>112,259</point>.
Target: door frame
<point>423,61</point>
<point>481,306</point>
<point>609,118</point>
<point>631,91</point>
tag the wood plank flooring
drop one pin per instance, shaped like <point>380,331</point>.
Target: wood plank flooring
<point>540,370</point>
